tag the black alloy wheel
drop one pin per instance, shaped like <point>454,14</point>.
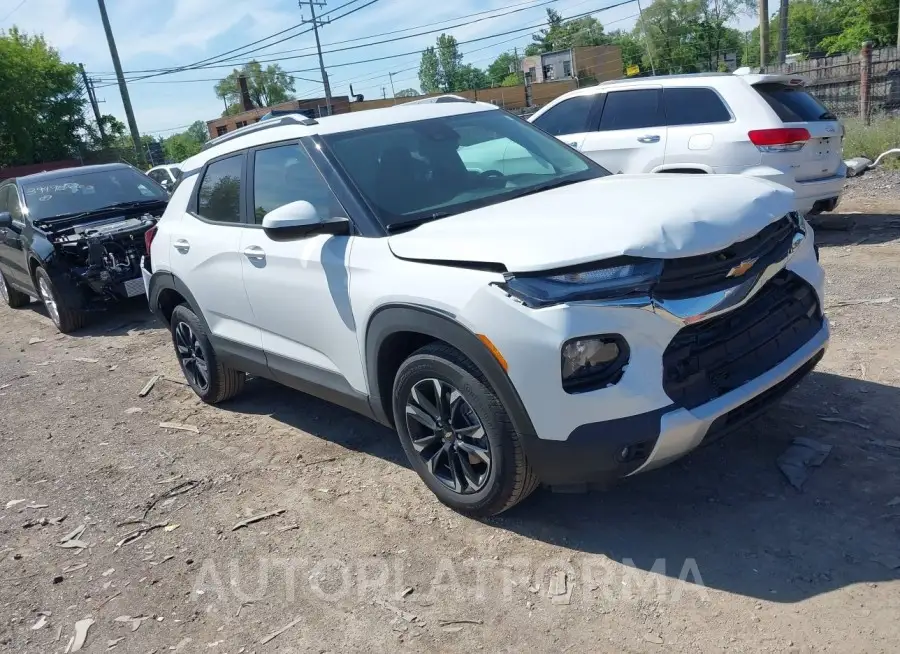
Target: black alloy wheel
<point>190,356</point>
<point>448,436</point>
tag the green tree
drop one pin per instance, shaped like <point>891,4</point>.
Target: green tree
<point>41,103</point>
<point>198,131</point>
<point>513,79</point>
<point>469,77</point>
<point>503,67</point>
<point>441,69</point>
<point>863,20</point>
<point>450,60</point>
<point>632,48</point>
<point>266,86</point>
<point>179,147</point>
<point>407,93</point>
<point>430,71</point>
<point>563,34</point>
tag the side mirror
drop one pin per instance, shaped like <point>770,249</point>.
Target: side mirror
<point>300,218</point>
<point>5,219</point>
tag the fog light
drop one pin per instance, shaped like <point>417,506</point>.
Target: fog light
<point>593,362</point>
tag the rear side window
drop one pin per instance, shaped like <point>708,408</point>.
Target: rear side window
<point>632,110</point>
<point>792,104</point>
<point>219,197</point>
<point>694,107</point>
<point>569,116</point>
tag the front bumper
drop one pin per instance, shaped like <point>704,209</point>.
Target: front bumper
<point>603,452</point>
<point>634,424</point>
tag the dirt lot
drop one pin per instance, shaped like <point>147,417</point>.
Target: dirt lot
<point>715,553</point>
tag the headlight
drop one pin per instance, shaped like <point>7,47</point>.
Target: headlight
<point>592,362</point>
<point>632,278</point>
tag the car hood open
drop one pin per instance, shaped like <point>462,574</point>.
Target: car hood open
<point>656,216</point>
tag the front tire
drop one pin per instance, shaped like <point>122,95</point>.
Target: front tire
<point>457,434</point>
<point>66,320</point>
<point>13,298</point>
<point>212,380</point>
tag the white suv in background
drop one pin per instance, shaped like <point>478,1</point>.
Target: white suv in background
<point>759,125</point>
<point>522,319</point>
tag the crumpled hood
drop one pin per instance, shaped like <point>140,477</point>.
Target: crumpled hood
<point>657,216</point>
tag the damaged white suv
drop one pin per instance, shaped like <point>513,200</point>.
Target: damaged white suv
<point>515,312</point>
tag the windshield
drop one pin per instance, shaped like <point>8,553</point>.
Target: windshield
<point>88,191</point>
<point>428,169</point>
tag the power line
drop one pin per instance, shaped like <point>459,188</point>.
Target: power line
<point>210,62</point>
<point>15,9</point>
<point>532,4</point>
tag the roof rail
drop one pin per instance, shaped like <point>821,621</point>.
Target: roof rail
<point>290,119</point>
<point>441,99</point>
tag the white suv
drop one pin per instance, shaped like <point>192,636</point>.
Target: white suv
<point>760,125</point>
<point>525,319</point>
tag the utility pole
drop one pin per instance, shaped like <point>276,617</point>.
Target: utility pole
<point>647,39</point>
<point>383,94</point>
<point>123,88</point>
<point>783,31</point>
<point>316,24</point>
<point>89,87</point>
<point>393,92</point>
<point>763,33</point>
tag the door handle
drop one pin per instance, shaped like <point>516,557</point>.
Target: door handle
<point>182,246</point>
<point>255,253</point>
<point>648,138</point>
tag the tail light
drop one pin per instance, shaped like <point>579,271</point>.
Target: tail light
<point>149,235</point>
<point>782,139</point>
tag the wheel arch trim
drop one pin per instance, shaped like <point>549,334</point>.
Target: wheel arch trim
<point>391,319</point>
<point>163,280</point>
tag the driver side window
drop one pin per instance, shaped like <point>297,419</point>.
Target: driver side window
<point>9,201</point>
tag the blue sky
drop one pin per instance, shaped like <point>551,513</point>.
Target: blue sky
<point>154,34</point>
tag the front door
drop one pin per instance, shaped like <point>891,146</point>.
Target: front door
<point>299,287</point>
<point>13,261</point>
<point>572,119</point>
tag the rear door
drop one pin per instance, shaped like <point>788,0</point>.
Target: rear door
<point>205,253</point>
<point>631,137</point>
<point>572,119</point>
<point>821,156</point>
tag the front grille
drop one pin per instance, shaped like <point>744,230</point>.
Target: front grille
<point>707,273</point>
<point>711,358</point>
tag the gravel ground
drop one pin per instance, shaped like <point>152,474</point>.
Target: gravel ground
<point>714,553</point>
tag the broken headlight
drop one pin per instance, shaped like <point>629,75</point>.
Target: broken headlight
<point>634,277</point>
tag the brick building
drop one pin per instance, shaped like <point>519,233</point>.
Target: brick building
<point>312,107</point>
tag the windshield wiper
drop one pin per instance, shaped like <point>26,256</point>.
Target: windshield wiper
<point>540,188</point>
<point>129,204</point>
<point>827,116</point>
<point>396,228</point>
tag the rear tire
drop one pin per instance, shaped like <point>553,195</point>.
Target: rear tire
<point>66,320</point>
<point>13,298</point>
<point>464,446</point>
<point>212,380</point>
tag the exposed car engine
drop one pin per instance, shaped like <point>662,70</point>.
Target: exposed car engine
<point>106,254</point>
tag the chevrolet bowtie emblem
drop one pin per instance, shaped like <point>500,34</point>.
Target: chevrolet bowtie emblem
<point>742,267</point>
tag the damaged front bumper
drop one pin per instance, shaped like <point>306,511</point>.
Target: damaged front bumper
<point>98,263</point>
